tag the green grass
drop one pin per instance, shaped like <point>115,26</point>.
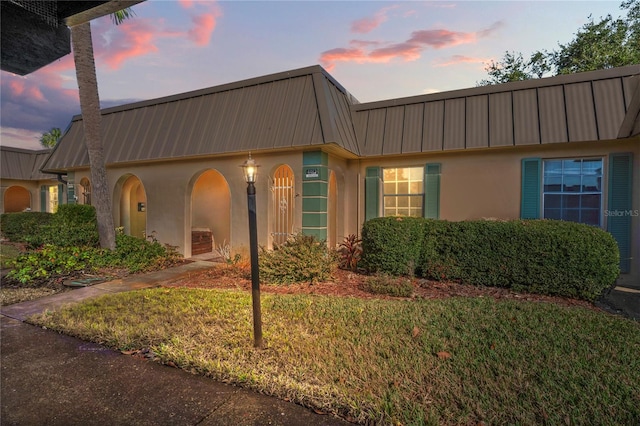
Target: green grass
<point>512,362</point>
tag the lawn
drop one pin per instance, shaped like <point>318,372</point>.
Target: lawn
<point>460,360</point>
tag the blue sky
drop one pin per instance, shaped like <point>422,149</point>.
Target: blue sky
<point>375,49</point>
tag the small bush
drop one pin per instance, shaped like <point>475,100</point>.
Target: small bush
<point>350,251</point>
<point>137,254</point>
<point>23,227</point>
<point>388,285</point>
<point>301,259</point>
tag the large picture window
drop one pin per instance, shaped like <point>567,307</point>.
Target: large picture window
<point>572,190</point>
<point>403,191</point>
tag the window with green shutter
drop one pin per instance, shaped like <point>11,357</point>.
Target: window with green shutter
<point>432,191</point>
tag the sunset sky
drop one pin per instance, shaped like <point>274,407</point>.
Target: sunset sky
<point>376,50</point>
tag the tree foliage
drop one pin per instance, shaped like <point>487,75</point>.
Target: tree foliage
<point>602,44</point>
<point>50,139</point>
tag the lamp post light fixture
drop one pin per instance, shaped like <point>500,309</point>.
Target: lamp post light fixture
<point>250,170</point>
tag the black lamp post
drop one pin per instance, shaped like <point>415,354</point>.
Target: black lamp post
<point>250,169</point>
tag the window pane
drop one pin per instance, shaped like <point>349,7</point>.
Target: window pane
<point>403,188</point>
<point>415,188</point>
<point>403,201</point>
<point>403,212</point>
<point>553,168</point>
<point>571,184</point>
<point>591,201</point>
<point>389,174</point>
<point>592,166</point>
<point>416,173</point>
<point>389,187</point>
<point>571,215</point>
<point>398,183</point>
<point>552,201</point>
<point>389,201</point>
<point>571,167</point>
<point>591,183</point>
<point>590,217</point>
<point>553,184</point>
<point>571,201</point>
<point>552,214</point>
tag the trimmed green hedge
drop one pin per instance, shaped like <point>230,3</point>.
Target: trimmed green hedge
<point>20,227</point>
<point>538,256</point>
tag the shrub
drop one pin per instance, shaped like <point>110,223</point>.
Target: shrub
<point>301,259</point>
<point>386,284</point>
<point>350,251</point>
<point>23,227</point>
<point>137,254</point>
<point>72,225</point>
<point>392,244</point>
<point>540,256</point>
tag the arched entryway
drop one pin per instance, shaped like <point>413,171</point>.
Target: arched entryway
<point>210,212</point>
<point>282,204</point>
<point>16,199</point>
<point>85,191</point>
<point>132,205</point>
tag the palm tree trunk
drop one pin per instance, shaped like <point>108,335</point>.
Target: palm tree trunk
<point>91,121</point>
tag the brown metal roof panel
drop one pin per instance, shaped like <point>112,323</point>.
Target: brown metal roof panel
<point>454,124</point>
<point>296,93</point>
<point>342,118</point>
<point>16,163</point>
<point>157,133</point>
<point>173,132</point>
<point>270,103</point>
<point>581,115</point>
<point>375,131</point>
<point>360,121</point>
<point>553,119</point>
<point>308,130</point>
<point>40,159</point>
<point>477,122</point>
<point>629,84</point>
<point>228,122</point>
<point>433,129</point>
<point>412,130</point>
<point>501,119</point>
<point>209,126</point>
<point>392,142</point>
<point>610,106</point>
<point>526,122</point>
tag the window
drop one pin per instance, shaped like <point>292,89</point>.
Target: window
<point>403,191</point>
<point>53,199</point>
<point>572,190</point>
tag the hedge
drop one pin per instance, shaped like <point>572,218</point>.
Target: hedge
<point>538,256</point>
<point>20,227</point>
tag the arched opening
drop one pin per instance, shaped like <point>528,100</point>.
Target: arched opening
<point>85,189</point>
<point>332,202</point>
<point>282,204</point>
<point>16,199</point>
<point>210,213</point>
<point>133,206</point>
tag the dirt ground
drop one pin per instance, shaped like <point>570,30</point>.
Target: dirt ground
<point>350,284</point>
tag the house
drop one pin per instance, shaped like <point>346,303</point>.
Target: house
<point>24,187</point>
<point>564,147</point>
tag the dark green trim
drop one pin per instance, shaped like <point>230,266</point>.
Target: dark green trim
<point>311,158</point>
<point>314,220</point>
<point>432,191</point>
<point>372,193</point>
<point>315,189</point>
<point>530,195</point>
<point>619,205</point>
<point>43,198</point>
<point>314,205</point>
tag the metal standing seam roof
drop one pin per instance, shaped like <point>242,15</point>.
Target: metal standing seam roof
<point>590,106</point>
<point>23,164</point>
<point>295,109</point>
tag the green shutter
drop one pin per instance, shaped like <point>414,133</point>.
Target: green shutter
<point>530,197</point>
<point>372,193</point>
<point>60,194</point>
<point>432,191</point>
<point>43,198</point>
<point>619,205</point>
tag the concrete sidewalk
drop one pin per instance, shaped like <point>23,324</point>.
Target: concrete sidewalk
<point>54,379</point>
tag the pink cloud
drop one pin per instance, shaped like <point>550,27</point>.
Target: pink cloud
<point>204,25</point>
<point>130,40</point>
<point>459,59</point>
<point>360,51</point>
<point>366,25</point>
<point>187,4</point>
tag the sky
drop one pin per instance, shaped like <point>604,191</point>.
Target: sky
<point>375,49</point>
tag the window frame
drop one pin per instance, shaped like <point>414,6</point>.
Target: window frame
<point>396,195</point>
<point>561,192</point>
